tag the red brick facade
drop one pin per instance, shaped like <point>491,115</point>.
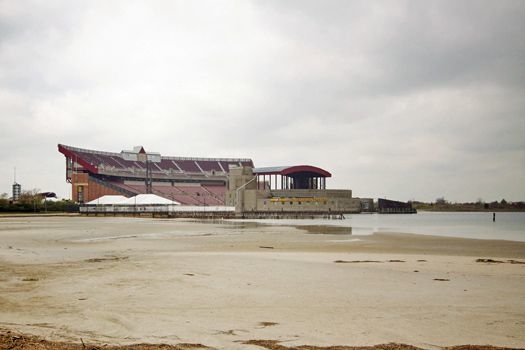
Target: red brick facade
<point>84,190</point>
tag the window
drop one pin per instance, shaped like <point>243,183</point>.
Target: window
<point>80,194</point>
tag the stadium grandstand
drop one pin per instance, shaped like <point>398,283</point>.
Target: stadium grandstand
<point>186,180</point>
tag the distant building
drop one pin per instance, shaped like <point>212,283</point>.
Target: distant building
<point>17,190</point>
<point>367,205</point>
<point>386,206</point>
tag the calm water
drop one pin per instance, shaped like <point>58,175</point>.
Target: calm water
<point>508,226</point>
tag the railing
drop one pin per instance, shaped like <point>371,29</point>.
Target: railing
<point>168,210</point>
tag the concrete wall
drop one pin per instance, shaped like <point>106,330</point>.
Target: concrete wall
<point>312,193</point>
<point>237,178</point>
<point>303,201</point>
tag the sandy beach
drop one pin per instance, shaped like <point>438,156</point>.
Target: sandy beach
<point>121,281</point>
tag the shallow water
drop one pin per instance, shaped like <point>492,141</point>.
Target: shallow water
<point>479,225</point>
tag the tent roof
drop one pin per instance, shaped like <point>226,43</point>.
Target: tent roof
<point>141,199</point>
<point>108,199</point>
<point>148,199</point>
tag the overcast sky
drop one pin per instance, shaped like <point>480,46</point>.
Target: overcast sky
<point>397,99</point>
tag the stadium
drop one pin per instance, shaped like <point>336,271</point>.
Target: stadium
<point>188,181</point>
<point>226,185</point>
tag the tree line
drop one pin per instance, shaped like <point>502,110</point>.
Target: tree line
<point>35,202</point>
<point>441,204</point>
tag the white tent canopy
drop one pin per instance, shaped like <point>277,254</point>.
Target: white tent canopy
<point>145,199</point>
<point>108,200</point>
<point>140,199</point>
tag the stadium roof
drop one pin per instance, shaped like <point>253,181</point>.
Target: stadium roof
<point>290,170</point>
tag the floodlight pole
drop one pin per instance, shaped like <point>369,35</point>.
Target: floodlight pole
<point>149,180</point>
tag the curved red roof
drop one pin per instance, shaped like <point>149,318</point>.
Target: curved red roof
<point>289,170</point>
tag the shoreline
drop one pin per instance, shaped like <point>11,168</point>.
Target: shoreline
<point>127,281</point>
<point>10,340</point>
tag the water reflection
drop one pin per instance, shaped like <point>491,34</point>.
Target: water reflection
<point>508,226</point>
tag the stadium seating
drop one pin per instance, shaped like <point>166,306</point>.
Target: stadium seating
<point>190,181</point>
<point>106,160</point>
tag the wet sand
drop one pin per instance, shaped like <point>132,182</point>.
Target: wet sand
<point>223,285</point>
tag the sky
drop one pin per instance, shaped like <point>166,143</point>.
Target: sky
<point>406,100</point>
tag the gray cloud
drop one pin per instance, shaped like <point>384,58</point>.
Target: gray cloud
<point>404,99</point>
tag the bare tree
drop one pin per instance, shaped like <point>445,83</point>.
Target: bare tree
<point>441,200</point>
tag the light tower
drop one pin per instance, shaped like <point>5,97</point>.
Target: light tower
<point>17,189</point>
